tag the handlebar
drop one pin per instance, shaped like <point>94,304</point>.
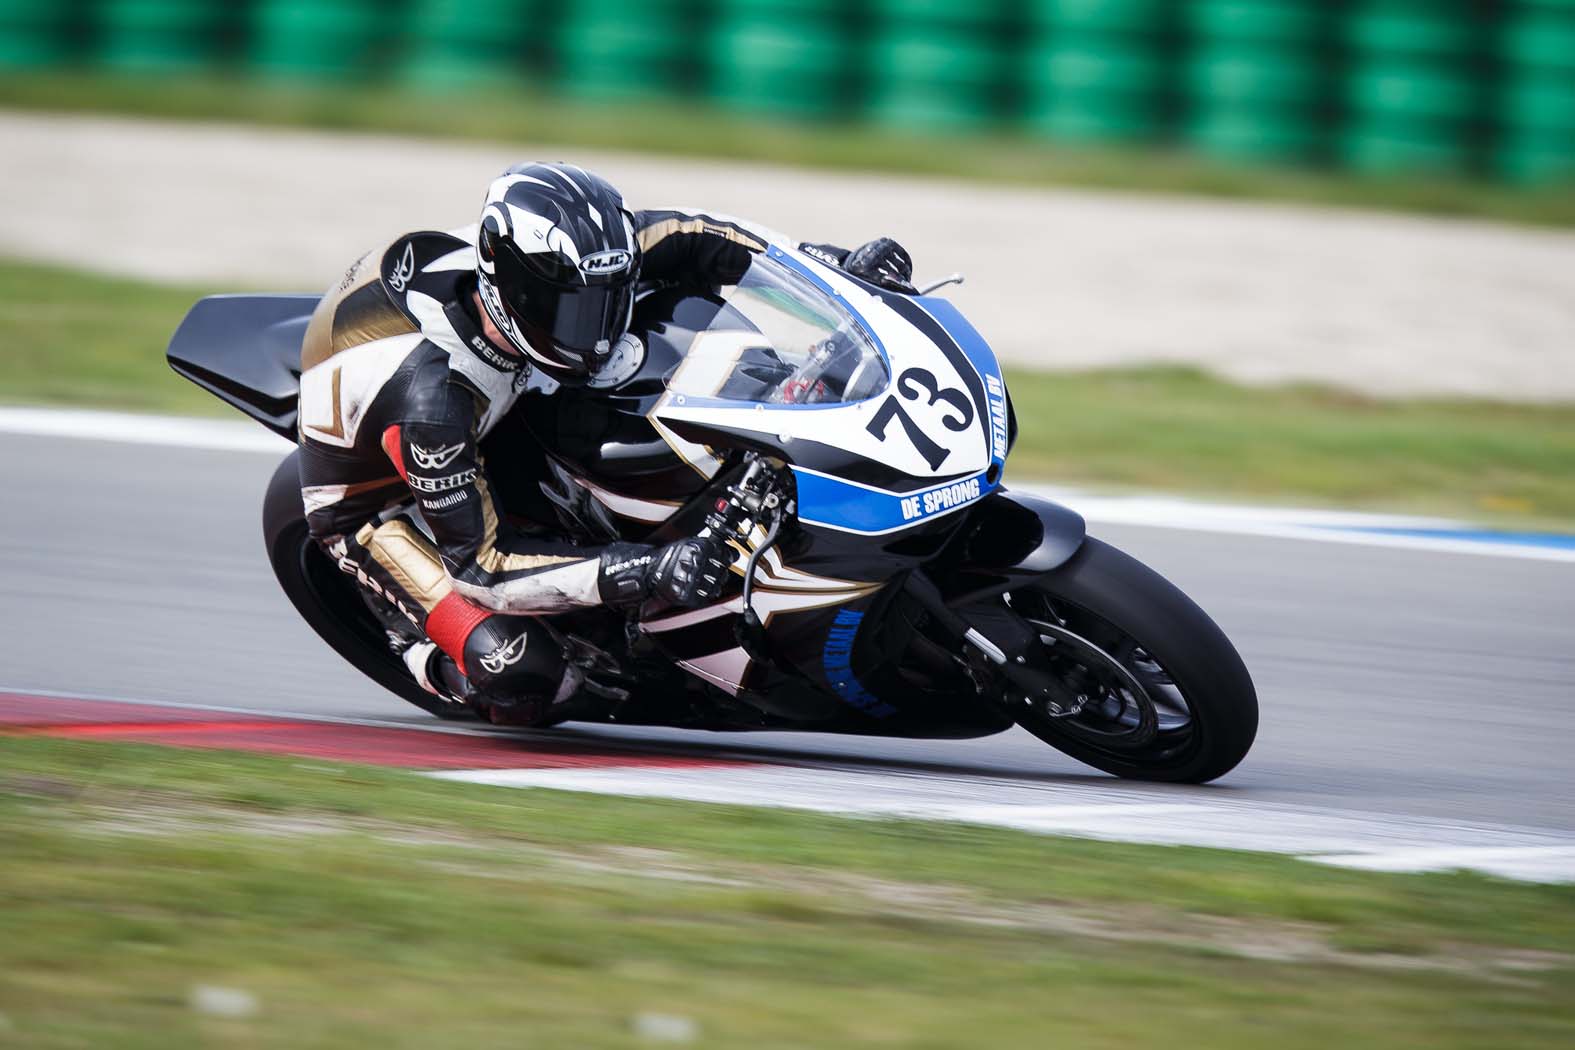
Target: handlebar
<point>758,495</point>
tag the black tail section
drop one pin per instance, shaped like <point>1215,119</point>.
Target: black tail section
<point>246,350</point>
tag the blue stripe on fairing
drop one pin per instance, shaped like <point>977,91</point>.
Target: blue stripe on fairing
<point>836,660</point>
<point>1547,540</point>
<point>963,333</point>
<point>845,505</point>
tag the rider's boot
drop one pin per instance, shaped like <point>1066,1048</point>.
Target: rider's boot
<point>435,671</point>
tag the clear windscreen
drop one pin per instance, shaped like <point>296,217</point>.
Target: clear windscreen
<point>782,341</point>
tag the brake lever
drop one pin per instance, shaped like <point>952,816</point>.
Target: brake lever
<point>755,555</point>
<point>955,278</point>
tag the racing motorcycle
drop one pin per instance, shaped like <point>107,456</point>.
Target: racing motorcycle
<point>848,444</point>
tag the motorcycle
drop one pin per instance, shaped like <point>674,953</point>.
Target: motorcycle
<point>849,444</point>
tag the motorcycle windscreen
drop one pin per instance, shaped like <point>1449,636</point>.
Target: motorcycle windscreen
<point>782,341</point>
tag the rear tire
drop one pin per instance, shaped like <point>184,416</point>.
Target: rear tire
<point>1102,591</point>
<point>328,599</point>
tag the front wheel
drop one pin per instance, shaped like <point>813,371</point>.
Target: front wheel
<point>1153,688</point>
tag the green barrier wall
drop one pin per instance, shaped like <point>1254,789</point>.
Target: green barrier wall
<point>466,43</point>
<point>1482,88</point>
<point>786,57</point>
<point>937,63</point>
<point>33,34</point>
<point>618,49</point>
<point>1258,74</point>
<point>1096,70</point>
<point>310,40</point>
<point>1535,98</point>
<point>1415,90</point>
<point>174,35</point>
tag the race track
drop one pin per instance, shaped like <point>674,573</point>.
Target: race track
<point>1414,684</point>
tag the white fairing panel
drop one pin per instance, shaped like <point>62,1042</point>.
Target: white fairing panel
<point>928,386</point>
<point>650,512</point>
<point>724,669</point>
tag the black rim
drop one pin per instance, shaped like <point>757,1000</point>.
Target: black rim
<point>1128,705</point>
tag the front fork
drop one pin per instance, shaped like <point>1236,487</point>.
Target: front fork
<point>759,497</point>
<point>999,649</point>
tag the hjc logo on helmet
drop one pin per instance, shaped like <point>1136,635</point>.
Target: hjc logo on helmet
<point>612,260</point>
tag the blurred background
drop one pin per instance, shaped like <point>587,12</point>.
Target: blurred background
<point>1285,291</point>
<point>1229,229</point>
<point>1480,88</point>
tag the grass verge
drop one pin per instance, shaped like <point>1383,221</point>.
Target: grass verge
<point>78,339</point>
<point>528,116</point>
<point>363,907</point>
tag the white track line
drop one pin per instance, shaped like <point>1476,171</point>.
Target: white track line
<point>1320,526</point>
<point>1186,818</point>
<point>1179,817</point>
<point>1317,526</point>
<point>219,435</point>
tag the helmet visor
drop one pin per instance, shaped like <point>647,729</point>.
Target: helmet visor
<point>580,323</point>
<point>570,318</point>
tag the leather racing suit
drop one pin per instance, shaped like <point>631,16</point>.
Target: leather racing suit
<point>398,387</point>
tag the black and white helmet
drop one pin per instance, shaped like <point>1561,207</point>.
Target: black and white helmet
<point>557,262</point>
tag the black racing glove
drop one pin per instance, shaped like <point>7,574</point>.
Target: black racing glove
<point>623,578</point>
<point>691,572</point>
<point>687,572</point>
<point>884,262</point>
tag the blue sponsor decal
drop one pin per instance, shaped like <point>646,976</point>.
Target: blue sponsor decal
<point>995,391</point>
<point>836,660</point>
<point>851,507</point>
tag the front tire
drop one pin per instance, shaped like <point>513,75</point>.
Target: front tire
<point>1169,697</point>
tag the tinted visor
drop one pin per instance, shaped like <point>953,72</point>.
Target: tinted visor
<point>559,309</point>
<point>579,322</point>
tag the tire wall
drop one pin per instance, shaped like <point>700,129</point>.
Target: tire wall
<point>1480,89</point>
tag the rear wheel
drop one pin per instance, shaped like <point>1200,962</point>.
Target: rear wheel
<point>1153,688</point>
<point>328,599</point>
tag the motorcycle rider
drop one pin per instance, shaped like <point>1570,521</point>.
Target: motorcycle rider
<point>417,354</point>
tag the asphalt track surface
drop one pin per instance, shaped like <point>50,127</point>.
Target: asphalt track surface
<point>1408,683</point>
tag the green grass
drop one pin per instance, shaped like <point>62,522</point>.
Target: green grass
<point>371,908</point>
<point>1177,429</point>
<point>525,115</point>
<point>72,338</point>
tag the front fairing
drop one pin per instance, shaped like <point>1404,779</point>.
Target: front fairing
<point>864,480</point>
<point>925,444</point>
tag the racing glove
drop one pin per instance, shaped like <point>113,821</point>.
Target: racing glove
<point>882,261</point>
<point>686,572</point>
